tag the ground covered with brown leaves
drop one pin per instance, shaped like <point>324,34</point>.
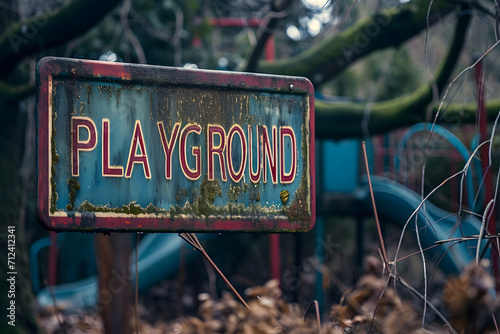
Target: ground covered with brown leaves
<point>375,304</point>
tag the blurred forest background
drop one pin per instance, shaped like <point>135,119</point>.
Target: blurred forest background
<point>377,66</point>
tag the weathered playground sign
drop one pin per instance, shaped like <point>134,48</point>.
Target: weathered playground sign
<point>125,147</point>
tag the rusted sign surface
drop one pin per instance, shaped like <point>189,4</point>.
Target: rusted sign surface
<point>125,147</point>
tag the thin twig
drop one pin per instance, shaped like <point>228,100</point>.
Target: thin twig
<point>467,69</point>
<point>191,239</point>
<point>317,316</point>
<point>483,228</point>
<point>318,319</point>
<point>416,293</point>
<point>495,322</point>
<point>384,253</point>
<point>379,298</point>
<point>416,253</point>
<point>463,172</point>
<point>136,44</point>
<point>469,237</point>
<point>466,167</point>
<point>424,267</point>
<point>56,310</point>
<point>442,257</point>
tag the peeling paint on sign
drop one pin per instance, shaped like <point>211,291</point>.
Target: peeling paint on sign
<point>146,148</point>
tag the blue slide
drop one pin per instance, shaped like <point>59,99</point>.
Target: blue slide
<point>158,258</point>
<point>159,254</point>
<point>397,203</point>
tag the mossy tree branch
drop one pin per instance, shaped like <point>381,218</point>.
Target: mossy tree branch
<point>49,29</point>
<point>342,120</point>
<point>457,113</point>
<point>390,27</point>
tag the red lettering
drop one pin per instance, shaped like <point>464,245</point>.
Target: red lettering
<point>192,174</point>
<point>254,177</point>
<point>107,170</point>
<point>133,157</point>
<point>287,131</point>
<point>78,145</point>
<point>168,146</point>
<point>212,150</point>
<point>272,157</point>
<point>236,176</point>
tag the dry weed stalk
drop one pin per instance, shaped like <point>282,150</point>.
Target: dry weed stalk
<point>379,230</point>
<point>56,309</point>
<point>318,318</point>
<point>191,239</point>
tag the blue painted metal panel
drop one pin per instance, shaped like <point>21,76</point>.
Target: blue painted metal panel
<point>341,165</point>
<point>110,127</point>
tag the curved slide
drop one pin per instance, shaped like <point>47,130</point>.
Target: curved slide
<point>158,254</point>
<point>158,257</point>
<point>397,203</point>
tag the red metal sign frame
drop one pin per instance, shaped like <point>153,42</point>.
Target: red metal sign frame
<point>50,68</point>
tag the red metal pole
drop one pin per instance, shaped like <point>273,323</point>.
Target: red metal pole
<point>485,164</point>
<point>270,49</point>
<point>274,245</point>
<point>53,259</point>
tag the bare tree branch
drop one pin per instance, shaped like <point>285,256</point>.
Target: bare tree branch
<point>390,27</point>
<point>468,113</point>
<point>52,28</point>
<point>251,66</point>
<point>139,51</point>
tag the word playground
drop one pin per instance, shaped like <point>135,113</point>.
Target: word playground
<point>126,147</point>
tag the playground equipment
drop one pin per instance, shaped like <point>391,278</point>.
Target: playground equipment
<point>343,191</point>
<point>398,203</point>
<point>472,202</point>
<point>158,254</point>
<point>158,258</point>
